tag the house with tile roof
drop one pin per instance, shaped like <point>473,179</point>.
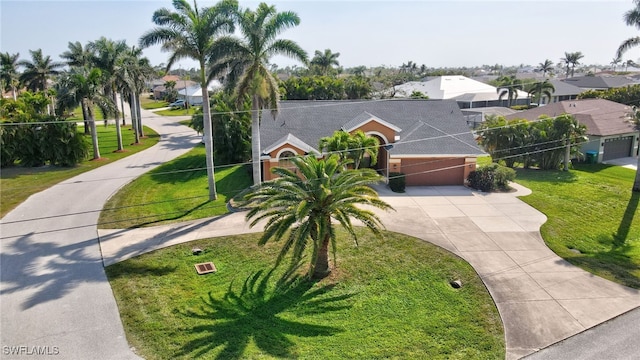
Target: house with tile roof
<point>611,133</point>
<point>468,93</point>
<point>427,140</point>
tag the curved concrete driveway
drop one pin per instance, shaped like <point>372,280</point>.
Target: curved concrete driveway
<point>54,295</point>
<point>541,298</point>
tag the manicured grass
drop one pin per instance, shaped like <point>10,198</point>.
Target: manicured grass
<point>148,104</point>
<point>178,112</point>
<point>18,183</point>
<point>77,114</point>
<point>175,191</point>
<point>590,209</point>
<point>388,298</point>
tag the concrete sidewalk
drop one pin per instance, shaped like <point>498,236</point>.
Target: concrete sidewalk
<point>541,298</point>
<point>54,295</point>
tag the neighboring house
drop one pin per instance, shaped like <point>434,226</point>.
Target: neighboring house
<point>468,93</point>
<point>611,134</point>
<point>600,82</point>
<point>159,91</point>
<point>563,91</point>
<point>477,116</point>
<point>193,93</point>
<point>427,140</point>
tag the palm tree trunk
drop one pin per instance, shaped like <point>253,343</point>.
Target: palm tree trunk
<point>94,133</point>
<point>255,140</point>
<point>85,117</point>
<point>122,106</point>
<point>139,115</point>
<point>321,268</point>
<point>208,138</point>
<point>118,129</point>
<point>134,121</point>
<point>636,182</point>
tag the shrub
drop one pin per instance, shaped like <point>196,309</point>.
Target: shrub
<point>397,182</point>
<point>491,177</point>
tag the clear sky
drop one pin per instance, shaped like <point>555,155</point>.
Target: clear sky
<point>370,33</point>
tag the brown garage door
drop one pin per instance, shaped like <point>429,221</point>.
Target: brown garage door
<point>434,171</point>
<point>617,148</point>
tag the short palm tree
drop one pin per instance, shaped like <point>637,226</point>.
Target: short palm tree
<point>190,33</point>
<point>9,72</point>
<point>615,62</point>
<point>631,18</point>
<point>245,61</point>
<point>325,61</point>
<point>542,88</point>
<point>299,209</point>
<point>509,85</point>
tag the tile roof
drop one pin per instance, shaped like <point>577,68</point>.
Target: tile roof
<point>602,117</point>
<point>427,127</point>
<point>599,82</point>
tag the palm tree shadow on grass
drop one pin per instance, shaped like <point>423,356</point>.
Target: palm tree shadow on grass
<point>252,313</point>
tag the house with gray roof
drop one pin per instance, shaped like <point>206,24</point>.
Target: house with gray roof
<point>427,140</point>
<point>603,82</point>
<point>611,133</point>
<point>563,91</point>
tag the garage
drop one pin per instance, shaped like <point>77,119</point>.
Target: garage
<point>617,148</point>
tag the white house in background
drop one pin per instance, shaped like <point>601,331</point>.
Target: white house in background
<point>193,94</point>
<point>468,93</point>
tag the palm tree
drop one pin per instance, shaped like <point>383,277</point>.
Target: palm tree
<point>325,61</point>
<point>300,206</point>
<point>509,85</point>
<point>106,53</point>
<point>79,57</point>
<point>362,144</point>
<point>246,61</point>
<point>38,71</point>
<point>132,70</point>
<point>571,60</point>
<point>9,72</point>
<point>542,88</point>
<point>631,18</point>
<point>545,67</point>
<point>615,62</point>
<point>191,33</point>
<point>83,86</point>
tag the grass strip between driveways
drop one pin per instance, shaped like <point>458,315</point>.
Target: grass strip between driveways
<point>593,218</point>
<point>177,112</point>
<point>175,191</point>
<point>388,298</point>
<point>18,183</point>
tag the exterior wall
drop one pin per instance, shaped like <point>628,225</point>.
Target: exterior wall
<point>596,143</point>
<point>273,161</point>
<point>373,126</point>
<point>435,171</point>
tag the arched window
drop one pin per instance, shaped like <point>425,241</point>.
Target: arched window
<point>284,160</point>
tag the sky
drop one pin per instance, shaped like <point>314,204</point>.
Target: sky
<point>370,33</point>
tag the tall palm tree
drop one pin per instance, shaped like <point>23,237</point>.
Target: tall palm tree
<point>79,57</point>
<point>631,18</point>
<point>542,88</point>
<point>300,206</point>
<point>105,57</point>
<point>131,72</point>
<point>509,85</point>
<point>325,61</point>
<point>571,60</point>
<point>191,33</point>
<point>38,71</point>
<point>9,72</point>
<point>83,86</point>
<point>546,67</point>
<point>246,61</point>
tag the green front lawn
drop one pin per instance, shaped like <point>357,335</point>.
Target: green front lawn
<point>178,112</point>
<point>147,103</point>
<point>77,114</point>
<point>593,218</point>
<point>388,298</point>
<point>18,183</point>
<point>175,191</point>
